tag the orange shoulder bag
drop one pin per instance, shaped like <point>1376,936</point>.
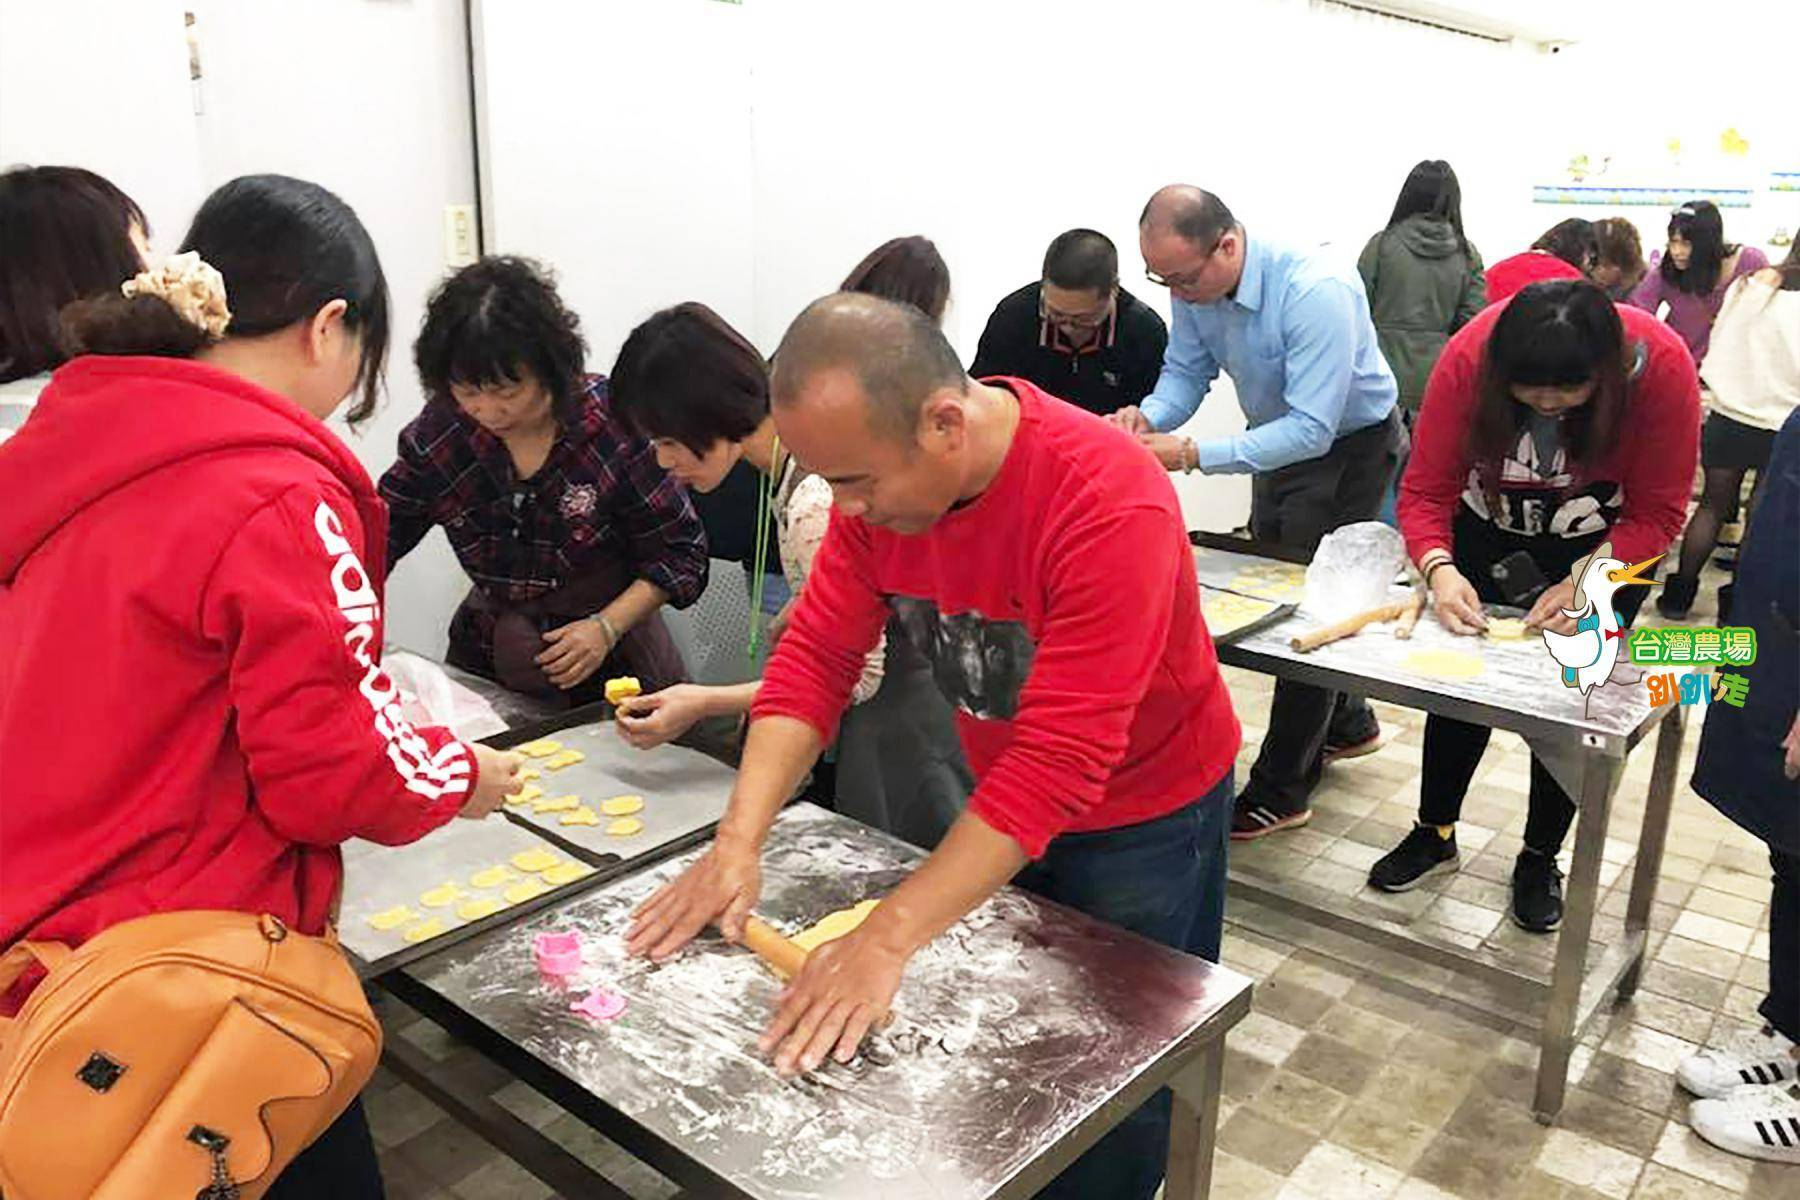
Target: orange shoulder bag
<point>180,1054</point>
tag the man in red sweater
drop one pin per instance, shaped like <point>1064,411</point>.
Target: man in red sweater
<point>1038,557</point>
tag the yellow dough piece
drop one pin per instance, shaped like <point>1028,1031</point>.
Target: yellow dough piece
<point>529,774</point>
<point>542,748</point>
<point>1507,629</point>
<point>491,877</point>
<point>625,827</point>
<point>622,688</point>
<point>566,873</point>
<point>563,758</point>
<point>441,897</point>
<point>581,816</point>
<point>834,926</point>
<point>622,806</point>
<point>537,859</point>
<point>424,930</point>
<point>474,910</point>
<point>1444,664</point>
<point>525,795</point>
<point>530,889</point>
<point>556,804</point>
<point>393,917</point>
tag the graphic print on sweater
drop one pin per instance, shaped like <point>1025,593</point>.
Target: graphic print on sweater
<point>979,665</point>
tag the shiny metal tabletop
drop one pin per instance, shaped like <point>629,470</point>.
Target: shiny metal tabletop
<point>1021,1034</point>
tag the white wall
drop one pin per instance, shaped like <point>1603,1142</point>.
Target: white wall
<point>103,84</point>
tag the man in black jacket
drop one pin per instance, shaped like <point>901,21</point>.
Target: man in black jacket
<point>1077,334</point>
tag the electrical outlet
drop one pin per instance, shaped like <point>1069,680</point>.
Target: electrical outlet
<point>460,240</point>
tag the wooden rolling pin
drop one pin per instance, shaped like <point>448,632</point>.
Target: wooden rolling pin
<point>1410,617</point>
<point>772,948</point>
<point>1348,626</point>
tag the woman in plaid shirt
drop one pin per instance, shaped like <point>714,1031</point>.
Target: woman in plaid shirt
<point>571,534</point>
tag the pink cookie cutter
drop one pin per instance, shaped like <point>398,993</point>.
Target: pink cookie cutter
<point>599,1004</point>
<point>557,953</point>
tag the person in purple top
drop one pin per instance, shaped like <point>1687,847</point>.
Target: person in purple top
<point>1692,274</point>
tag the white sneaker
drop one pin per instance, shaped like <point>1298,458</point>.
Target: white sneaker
<point>1756,1122</point>
<point>1759,1058</point>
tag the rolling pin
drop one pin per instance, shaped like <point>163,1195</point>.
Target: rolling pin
<point>1348,626</point>
<point>772,948</point>
<point>1410,617</point>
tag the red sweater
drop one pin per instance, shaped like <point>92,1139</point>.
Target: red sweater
<point>192,709</point>
<point>1509,275</point>
<point>1062,616</point>
<point>1640,490</point>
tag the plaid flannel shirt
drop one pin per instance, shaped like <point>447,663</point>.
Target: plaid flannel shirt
<point>600,495</point>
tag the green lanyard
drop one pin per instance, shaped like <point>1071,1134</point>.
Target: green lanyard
<point>765,500</point>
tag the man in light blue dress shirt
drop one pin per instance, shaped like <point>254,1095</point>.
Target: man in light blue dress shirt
<point>1324,440</point>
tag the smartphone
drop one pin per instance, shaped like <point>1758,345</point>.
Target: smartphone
<point>1519,579</point>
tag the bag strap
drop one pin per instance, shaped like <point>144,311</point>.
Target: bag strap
<point>19,958</point>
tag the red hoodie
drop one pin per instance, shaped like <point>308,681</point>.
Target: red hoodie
<point>1512,275</point>
<point>1061,613</point>
<point>192,709</point>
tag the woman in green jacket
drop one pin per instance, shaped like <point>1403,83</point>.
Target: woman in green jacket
<point>1424,278</point>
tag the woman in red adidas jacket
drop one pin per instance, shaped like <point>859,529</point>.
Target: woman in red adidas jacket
<point>193,713</point>
<point>1552,423</point>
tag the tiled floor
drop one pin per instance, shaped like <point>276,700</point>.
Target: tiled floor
<point>1361,1073</point>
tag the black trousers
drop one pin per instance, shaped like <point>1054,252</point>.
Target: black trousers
<point>1781,1008</point>
<point>1453,749</point>
<point>1295,507</point>
<point>341,1165</point>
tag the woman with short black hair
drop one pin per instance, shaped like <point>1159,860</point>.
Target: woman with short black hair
<point>700,391</point>
<point>1552,424</point>
<point>570,533</point>
<point>66,234</point>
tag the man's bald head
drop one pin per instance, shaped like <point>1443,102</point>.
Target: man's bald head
<point>1194,215</point>
<point>898,356</point>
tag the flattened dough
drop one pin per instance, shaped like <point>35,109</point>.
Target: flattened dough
<point>529,774</point>
<point>622,806</point>
<point>1507,629</point>
<point>563,758</point>
<point>566,873</point>
<point>581,816</point>
<point>526,794</point>
<point>424,930</point>
<point>834,925</point>
<point>528,889</point>
<point>542,748</point>
<point>557,804</point>
<point>536,859</point>
<point>1444,664</point>
<point>625,827</point>
<point>491,877</point>
<point>392,918</point>
<point>474,910</point>
<point>441,897</point>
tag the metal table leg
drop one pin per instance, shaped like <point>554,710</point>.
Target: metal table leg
<point>1561,1016</point>
<point>1652,840</point>
<point>1195,1125</point>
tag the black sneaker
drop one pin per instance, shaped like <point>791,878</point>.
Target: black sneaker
<point>1678,592</point>
<point>1537,899</point>
<point>1251,820</point>
<point>1423,853</point>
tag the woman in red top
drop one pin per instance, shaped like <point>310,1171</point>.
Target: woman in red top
<point>1567,250</point>
<point>193,713</point>
<point>1551,424</point>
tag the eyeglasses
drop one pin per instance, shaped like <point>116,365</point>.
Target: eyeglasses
<point>1086,320</point>
<point>1186,279</point>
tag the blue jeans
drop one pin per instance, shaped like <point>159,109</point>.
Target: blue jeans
<point>1164,880</point>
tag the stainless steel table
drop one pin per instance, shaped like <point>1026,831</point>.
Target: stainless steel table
<point>1022,1035</point>
<point>1584,744</point>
